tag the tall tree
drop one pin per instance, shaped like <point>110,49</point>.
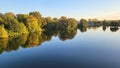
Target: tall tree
<point>38,16</point>
<point>32,24</point>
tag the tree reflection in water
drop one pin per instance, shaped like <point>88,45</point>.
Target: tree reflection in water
<point>36,39</point>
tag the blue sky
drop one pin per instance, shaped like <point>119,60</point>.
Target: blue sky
<point>70,8</point>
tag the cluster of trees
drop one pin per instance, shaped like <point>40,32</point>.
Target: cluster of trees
<point>36,39</point>
<point>94,23</point>
<point>62,23</point>
<point>12,25</point>
<point>28,30</point>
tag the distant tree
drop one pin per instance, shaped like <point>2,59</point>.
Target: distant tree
<point>72,23</point>
<point>95,27</point>
<point>104,28</point>
<point>36,14</point>
<point>62,25</point>
<point>67,23</point>
<point>114,23</point>
<point>51,24</point>
<point>56,20</point>
<point>63,18</point>
<point>114,29</point>
<point>83,29</point>
<point>106,23</point>
<point>49,20</point>
<point>95,20</point>
<point>67,34</point>
<point>83,23</point>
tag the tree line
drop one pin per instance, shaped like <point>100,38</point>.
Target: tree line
<point>12,25</point>
<point>84,24</point>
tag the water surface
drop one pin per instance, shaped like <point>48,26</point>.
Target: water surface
<point>94,48</point>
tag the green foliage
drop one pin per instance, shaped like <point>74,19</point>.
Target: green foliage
<point>1,18</point>
<point>41,21</point>
<point>115,23</point>
<point>72,23</point>
<point>104,28</point>
<point>83,23</point>
<point>51,24</point>
<point>56,20</point>
<point>32,24</point>
<point>114,29</point>
<point>67,34</point>
<point>15,43</point>
<point>23,29</point>
<point>106,23</point>
<point>3,44</point>
<point>94,20</point>
<point>10,15</point>
<point>49,20</point>
<point>36,14</point>
<point>22,17</point>
<point>83,29</point>
<point>15,25</point>
<point>15,28</point>
<point>32,40</point>
<point>67,24</point>
<point>12,25</point>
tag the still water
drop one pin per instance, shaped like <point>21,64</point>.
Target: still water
<point>94,48</point>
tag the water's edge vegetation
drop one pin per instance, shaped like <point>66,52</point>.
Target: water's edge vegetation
<point>12,25</point>
<point>28,30</point>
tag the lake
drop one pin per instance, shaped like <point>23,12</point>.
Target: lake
<point>88,48</point>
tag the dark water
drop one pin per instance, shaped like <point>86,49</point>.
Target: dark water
<point>95,48</point>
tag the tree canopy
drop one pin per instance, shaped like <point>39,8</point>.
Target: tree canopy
<point>16,24</point>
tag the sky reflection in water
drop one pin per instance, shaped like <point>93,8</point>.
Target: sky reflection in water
<point>91,49</point>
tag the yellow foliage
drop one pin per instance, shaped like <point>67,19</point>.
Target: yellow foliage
<point>3,32</point>
<point>32,24</point>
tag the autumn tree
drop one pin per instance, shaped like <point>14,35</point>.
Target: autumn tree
<point>3,32</point>
<point>51,24</point>
<point>38,16</point>
<point>83,23</point>
<point>22,17</point>
<point>32,24</point>
<point>56,20</point>
<point>24,29</point>
<point>67,23</point>
<point>72,23</point>
<point>2,17</point>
